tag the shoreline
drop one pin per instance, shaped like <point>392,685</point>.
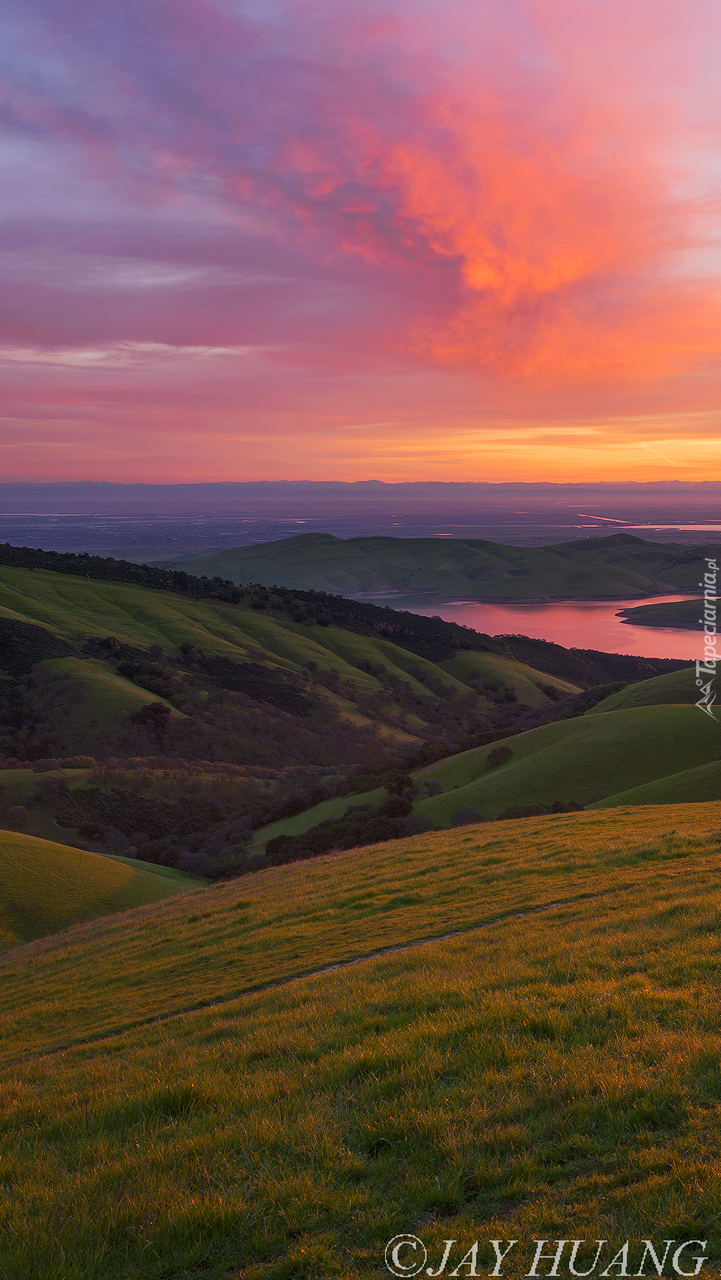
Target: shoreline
<point>370,597</point>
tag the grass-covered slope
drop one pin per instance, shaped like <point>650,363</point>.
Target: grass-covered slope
<point>71,605</point>
<point>674,686</point>
<point>687,786</point>
<point>557,1063</point>
<point>105,695</point>
<point>591,568</point>
<point>582,760</point>
<point>46,887</point>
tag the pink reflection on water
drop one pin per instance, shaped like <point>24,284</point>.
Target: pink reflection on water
<point>577,624</point>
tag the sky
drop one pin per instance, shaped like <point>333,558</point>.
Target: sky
<point>351,239</point>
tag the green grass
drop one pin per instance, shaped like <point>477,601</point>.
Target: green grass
<point>554,1074</point>
<point>108,693</point>
<point>686,786</point>
<point>675,686</point>
<point>583,759</point>
<point>606,759</point>
<point>495,669</point>
<point>327,809</point>
<point>618,566</point>
<point>46,887</point>
<point>16,783</point>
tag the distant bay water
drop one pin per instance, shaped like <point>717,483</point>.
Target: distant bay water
<point>575,624</point>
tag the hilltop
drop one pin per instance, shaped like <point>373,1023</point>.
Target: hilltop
<point>592,568</point>
<point>477,1034</point>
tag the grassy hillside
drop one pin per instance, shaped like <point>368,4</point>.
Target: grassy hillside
<point>555,1063</point>
<point>592,568</point>
<point>582,760</point>
<point>675,686</point>
<point>365,680</point>
<point>46,887</point>
<point>105,695</point>
<point>684,615</point>
<point>68,605</point>
<point>685,786</point>
<point>310,688</point>
<point>626,756</point>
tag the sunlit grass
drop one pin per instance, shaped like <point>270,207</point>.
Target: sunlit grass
<point>46,887</point>
<point>555,1074</point>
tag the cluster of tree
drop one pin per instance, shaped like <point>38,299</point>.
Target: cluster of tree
<point>107,569</point>
<point>537,810</point>
<point>22,645</point>
<point>360,824</point>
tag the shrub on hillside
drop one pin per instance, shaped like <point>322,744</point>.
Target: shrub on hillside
<point>416,823</point>
<point>524,811</point>
<point>18,815</point>
<point>433,787</point>
<point>466,817</point>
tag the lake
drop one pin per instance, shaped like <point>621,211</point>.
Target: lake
<point>576,624</point>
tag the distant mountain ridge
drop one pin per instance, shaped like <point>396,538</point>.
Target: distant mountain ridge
<point>631,500</point>
<point>621,565</point>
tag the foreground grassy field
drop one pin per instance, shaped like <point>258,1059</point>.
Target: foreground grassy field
<point>553,1071</point>
<point>46,887</point>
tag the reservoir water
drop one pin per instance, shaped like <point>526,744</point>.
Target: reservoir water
<point>575,624</point>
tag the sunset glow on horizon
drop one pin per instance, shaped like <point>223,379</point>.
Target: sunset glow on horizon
<point>255,239</point>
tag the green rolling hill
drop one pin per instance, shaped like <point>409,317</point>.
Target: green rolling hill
<point>592,568</point>
<point>584,760</point>
<point>47,887</point>
<point>366,680</point>
<point>673,686</point>
<point>588,760</point>
<point>479,1034</point>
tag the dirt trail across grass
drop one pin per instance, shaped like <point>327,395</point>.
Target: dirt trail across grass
<point>259,988</point>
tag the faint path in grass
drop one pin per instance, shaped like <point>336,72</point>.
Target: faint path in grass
<point>261,987</point>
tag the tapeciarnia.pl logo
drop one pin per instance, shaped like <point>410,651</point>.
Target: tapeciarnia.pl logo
<point>707,666</point>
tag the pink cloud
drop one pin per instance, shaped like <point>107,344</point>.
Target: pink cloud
<point>500,189</point>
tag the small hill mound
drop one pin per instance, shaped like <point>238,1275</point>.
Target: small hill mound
<point>46,887</point>
<point>688,786</point>
<point>680,615</point>
<point>675,686</point>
